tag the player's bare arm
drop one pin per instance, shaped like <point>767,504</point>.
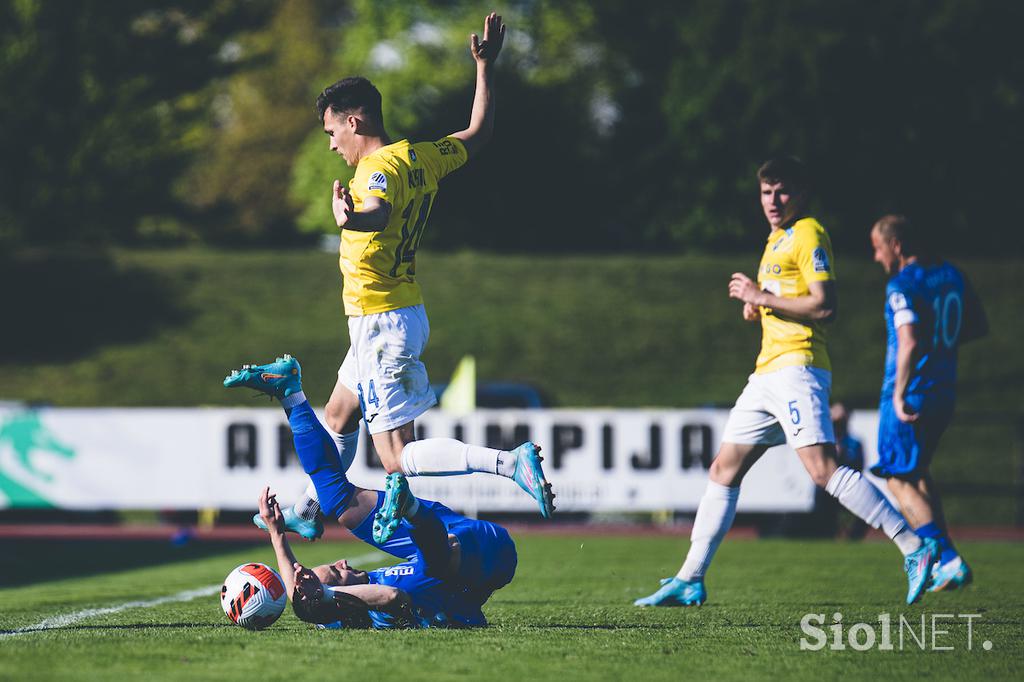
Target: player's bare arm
<point>485,53</point>
<point>373,218</point>
<point>271,514</point>
<point>379,597</point>
<point>819,305</point>
<point>906,358</point>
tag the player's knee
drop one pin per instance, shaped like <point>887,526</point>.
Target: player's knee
<point>723,474</point>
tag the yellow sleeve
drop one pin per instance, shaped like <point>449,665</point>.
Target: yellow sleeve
<point>442,157</point>
<point>813,254</point>
<point>374,178</point>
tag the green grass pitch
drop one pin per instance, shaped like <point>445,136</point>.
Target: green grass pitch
<point>566,616</point>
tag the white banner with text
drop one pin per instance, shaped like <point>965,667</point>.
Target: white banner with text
<point>598,460</point>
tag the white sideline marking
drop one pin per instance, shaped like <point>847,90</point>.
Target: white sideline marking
<point>64,620</point>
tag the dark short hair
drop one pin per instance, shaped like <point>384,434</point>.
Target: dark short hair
<point>351,612</point>
<point>897,227</point>
<point>351,94</point>
<point>788,170</point>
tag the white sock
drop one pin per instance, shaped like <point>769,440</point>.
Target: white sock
<point>308,506</point>
<point>450,457</point>
<point>715,515</point>
<point>348,444</point>
<point>866,501</point>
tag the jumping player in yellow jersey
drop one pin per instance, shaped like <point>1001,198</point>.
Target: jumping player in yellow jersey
<point>382,216</point>
<point>786,399</point>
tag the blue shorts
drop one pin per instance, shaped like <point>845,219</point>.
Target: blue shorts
<point>906,450</point>
<point>488,554</point>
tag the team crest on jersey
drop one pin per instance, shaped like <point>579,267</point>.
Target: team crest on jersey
<point>820,260</point>
<point>412,155</point>
<point>897,301</point>
<point>378,181</point>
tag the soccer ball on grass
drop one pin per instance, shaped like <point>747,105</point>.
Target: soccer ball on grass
<point>253,596</point>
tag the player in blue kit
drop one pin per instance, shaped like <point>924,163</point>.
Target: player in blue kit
<point>453,564</point>
<point>930,310</point>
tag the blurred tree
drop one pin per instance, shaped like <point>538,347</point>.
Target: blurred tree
<point>619,126</point>
<point>912,106</point>
<point>98,97</point>
<point>257,120</point>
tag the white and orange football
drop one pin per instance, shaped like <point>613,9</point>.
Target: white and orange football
<point>253,596</point>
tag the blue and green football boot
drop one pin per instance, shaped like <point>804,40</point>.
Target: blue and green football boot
<point>310,529</point>
<point>918,566</point>
<point>676,592</point>
<point>278,379</point>
<point>530,477</point>
<point>950,575</point>
<point>397,497</point>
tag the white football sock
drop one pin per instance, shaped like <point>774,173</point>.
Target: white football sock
<point>866,501</point>
<point>308,506</point>
<point>348,444</point>
<point>715,515</point>
<point>450,457</point>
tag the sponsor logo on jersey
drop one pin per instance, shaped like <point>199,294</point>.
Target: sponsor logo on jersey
<point>378,181</point>
<point>446,147</point>
<point>820,260</point>
<point>399,570</point>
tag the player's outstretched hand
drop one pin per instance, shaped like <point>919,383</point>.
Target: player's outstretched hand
<point>341,204</point>
<point>486,51</point>
<point>270,511</point>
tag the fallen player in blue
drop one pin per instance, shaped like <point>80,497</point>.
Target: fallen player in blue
<point>453,564</point>
<point>282,379</point>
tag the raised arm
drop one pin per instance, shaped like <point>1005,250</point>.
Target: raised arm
<point>485,53</point>
<point>270,512</point>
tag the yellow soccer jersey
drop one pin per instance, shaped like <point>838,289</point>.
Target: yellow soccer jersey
<point>793,258</point>
<point>379,268</point>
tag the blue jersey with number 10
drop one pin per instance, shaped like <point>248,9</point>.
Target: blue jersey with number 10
<point>933,299</point>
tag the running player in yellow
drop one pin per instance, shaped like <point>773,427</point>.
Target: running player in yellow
<point>786,399</point>
<point>382,215</point>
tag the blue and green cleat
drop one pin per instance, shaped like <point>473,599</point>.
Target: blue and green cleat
<point>311,529</point>
<point>530,477</point>
<point>950,575</point>
<point>676,592</point>
<point>918,566</point>
<point>278,379</point>
<point>397,497</point>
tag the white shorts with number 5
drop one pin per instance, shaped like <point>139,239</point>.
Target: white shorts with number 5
<point>788,405</point>
<point>383,367</point>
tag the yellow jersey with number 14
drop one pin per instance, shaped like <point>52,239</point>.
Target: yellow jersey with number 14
<point>379,268</point>
<point>793,258</point>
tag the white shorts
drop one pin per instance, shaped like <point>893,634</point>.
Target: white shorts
<point>383,367</point>
<point>788,405</point>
